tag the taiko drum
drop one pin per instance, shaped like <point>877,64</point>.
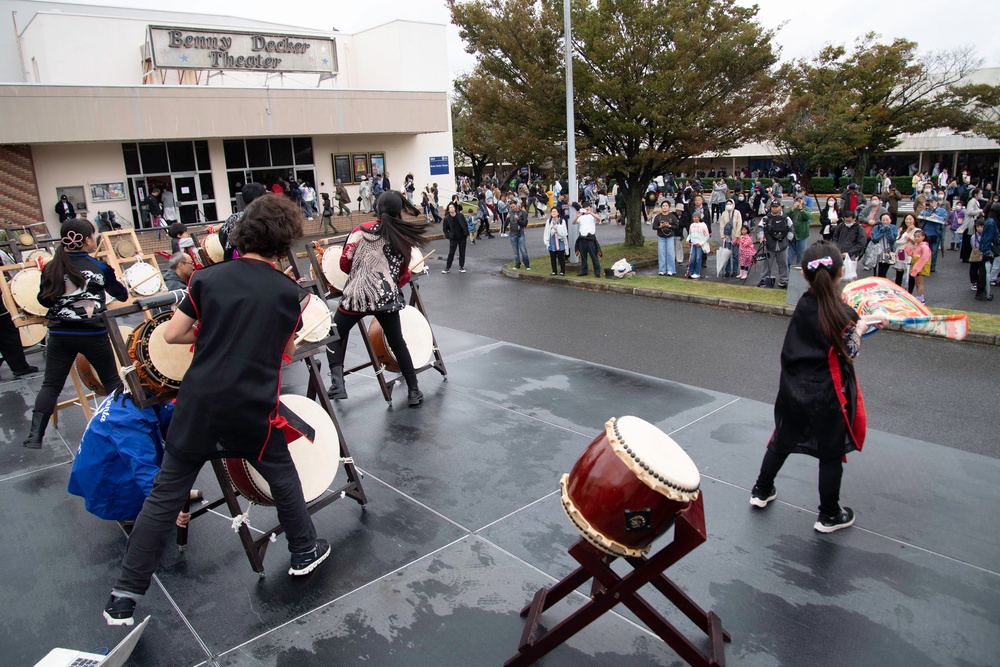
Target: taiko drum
<point>628,487</point>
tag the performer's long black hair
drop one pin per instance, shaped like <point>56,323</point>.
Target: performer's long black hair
<point>74,233</point>
<point>824,283</point>
<point>403,235</point>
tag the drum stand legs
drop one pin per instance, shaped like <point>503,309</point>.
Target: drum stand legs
<point>257,548</point>
<point>610,589</point>
<point>437,362</point>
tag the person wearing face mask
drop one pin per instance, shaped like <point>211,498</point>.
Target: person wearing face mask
<point>801,219</point>
<point>869,214</point>
<point>743,207</point>
<point>849,236</point>
<point>934,217</point>
<point>720,193</point>
<point>925,194</point>
<point>829,218</point>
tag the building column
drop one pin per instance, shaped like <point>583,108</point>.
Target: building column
<point>217,156</point>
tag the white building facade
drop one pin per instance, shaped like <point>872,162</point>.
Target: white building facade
<point>105,104</point>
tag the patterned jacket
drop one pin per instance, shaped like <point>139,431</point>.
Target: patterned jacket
<point>376,273</point>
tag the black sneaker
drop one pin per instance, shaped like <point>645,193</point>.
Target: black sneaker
<point>118,611</point>
<point>831,524</point>
<point>759,498</point>
<point>414,397</point>
<point>305,563</point>
<point>27,371</point>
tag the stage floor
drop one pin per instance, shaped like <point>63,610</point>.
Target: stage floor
<point>464,524</point>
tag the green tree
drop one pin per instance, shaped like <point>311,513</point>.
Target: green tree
<point>845,107</point>
<point>981,103</point>
<point>655,81</point>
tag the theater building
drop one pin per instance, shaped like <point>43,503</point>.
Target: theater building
<point>104,104</point>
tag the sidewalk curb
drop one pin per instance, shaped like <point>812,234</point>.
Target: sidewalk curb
<point>616,287</point>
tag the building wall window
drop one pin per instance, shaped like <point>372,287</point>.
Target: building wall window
<point>183,167</point>
<point>267,161</point>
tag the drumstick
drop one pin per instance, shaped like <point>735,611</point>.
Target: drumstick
<point>151,275</point>
<point>317,325</point>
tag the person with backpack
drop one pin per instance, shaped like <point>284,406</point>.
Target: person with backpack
<point>776,231</point>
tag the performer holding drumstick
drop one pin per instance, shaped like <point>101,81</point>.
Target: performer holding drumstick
<point>241,317</point>
<point>819,410</point>
<point>376,258</point>
<point>73,288</point>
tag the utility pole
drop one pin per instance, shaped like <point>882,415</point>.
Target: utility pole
<point>570,128</point>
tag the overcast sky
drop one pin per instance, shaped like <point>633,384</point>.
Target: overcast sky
<point>802,35</point>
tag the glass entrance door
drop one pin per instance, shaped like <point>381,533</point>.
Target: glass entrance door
<point>187,196</point>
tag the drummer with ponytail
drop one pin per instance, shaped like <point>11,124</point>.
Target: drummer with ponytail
<point>376,259</point>
<point>819,410</point>
<point>73,287</point>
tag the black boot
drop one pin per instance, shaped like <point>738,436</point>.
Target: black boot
<point>414,397</point>
<point>39,420</point>
<point>337,389</point>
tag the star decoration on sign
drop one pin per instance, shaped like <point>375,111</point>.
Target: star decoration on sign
<point>184,58</point>
<point>325,61</point>
<point>322,49</point>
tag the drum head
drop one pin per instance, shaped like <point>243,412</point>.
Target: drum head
<point>331,268</point>
<point>25,239</point>
<point>317,462</point>
<point>125,249</point>
<point>24,288</point>
<point>32,334</point>
<point>143,278</point>
<point>416,260</point>
<point>417,334</point>
<point>169,360</point>
<point>316,319</point>
<point>212,246</point>
<point>38,253</point>
<point>655,458</point>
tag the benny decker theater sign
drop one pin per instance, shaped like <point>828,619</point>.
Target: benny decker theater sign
<point>188,48</point>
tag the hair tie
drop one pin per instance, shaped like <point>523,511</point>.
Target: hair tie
<point>822,261</point>
<point>73,240</point>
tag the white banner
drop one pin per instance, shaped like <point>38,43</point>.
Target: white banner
<point>188,48</point>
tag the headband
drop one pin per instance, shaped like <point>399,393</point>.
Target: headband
<point>73,240</point>
<point>826,261</point>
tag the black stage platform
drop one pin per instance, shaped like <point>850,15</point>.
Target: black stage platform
<point>464,523</point>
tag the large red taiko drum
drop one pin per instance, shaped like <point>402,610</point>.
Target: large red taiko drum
<point>628,487</point>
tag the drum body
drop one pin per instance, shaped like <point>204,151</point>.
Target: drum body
<point>212,246</point>
<point>125,249</point>
<point>416,333</point>
<point>143,278</point>
<point>36,254</point>
<point>159,364</point>
<point>628,487</point>
<point>24,288</point>
<point>316,462</point>
<point>331,268</point>
<point>25,239</point>
<point>316,320</point>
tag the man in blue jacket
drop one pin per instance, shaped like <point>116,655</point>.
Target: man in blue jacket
<point>118,457</point>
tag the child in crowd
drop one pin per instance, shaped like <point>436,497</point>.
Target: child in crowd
<point>697,238</point>
<point>920,262</point>
<point>746,250</point>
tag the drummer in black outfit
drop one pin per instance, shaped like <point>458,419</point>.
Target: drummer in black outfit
<point>241,317</point>
<point>376,258</point>
<point>73,289</point>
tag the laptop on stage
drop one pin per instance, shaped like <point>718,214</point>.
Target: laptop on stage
<point>64,657</point>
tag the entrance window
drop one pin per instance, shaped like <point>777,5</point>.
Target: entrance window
<point>266,161</point>
<point>183,167</point>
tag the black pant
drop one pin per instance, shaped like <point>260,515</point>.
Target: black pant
<point>983,276</point>
<point>60,354</point>
<point>560,257</point>
<point>588,247</point>
<point>458,244</point>
<point>830,473</point>
<point>10,344</point>
<point>170,491</point>
<point>484,226</point>
<point>393,335</point>
<point>881,270</point>
<point>974,271</point>
<point>900,273</point>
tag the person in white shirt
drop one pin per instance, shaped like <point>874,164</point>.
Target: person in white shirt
<point>586,244</point>
<point>697,238</point>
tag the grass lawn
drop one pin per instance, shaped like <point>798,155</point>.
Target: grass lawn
<point>982,322</point>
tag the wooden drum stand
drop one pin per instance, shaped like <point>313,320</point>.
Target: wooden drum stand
<point>610,589</point>
<point>255,548</point>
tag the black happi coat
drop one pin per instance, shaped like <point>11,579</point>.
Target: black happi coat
<point>819,410</point>
<point>228,402</point>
